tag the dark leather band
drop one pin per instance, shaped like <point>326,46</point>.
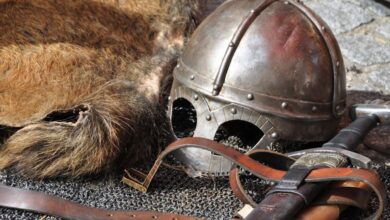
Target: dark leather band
<point>11,197</point>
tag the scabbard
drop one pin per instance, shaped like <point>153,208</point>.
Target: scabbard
<point>277,206</point>
<point>285,205</point>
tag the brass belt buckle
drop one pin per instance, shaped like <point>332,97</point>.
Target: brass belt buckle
<point>140,180</point>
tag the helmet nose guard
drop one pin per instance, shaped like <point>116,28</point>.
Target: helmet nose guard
<point>273,64</point>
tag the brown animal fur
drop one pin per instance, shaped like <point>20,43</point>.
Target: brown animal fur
<point>80,81</point>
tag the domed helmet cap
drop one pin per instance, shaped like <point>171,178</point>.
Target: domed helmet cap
<point>272,64</point>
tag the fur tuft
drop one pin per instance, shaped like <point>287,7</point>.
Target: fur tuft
<point>104,131</point>
<point>81,82</point>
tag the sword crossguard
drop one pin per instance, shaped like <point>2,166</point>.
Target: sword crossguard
<point>355,159</point>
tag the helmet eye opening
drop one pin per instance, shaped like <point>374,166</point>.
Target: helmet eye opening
<point>183,118</point>
<point>240,133</point>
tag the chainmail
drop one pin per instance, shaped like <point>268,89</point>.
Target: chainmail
<point>171,191</point>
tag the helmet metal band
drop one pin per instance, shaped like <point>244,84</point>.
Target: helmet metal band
<point>208,120</point>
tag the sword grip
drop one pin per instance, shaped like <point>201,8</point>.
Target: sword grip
<point>350,137</point>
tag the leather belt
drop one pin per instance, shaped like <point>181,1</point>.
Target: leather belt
<point>42,203</point>
<point>28,200</point>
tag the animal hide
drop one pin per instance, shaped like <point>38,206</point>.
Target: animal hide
<point>81,81</point>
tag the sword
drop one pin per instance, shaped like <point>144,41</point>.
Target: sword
<point>292,194</point>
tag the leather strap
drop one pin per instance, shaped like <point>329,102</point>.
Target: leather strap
<point>28,200</point>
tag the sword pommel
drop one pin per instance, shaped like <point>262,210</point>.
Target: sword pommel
<point>382,111</point>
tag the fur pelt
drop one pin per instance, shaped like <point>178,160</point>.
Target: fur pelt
<point>81,81</point>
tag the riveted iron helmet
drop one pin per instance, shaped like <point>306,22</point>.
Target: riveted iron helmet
<point>265,67</point>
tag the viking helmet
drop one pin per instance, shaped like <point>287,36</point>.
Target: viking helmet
<point>266,68</point>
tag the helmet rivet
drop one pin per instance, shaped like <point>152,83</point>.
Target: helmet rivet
<point>208,117</point>
<point>233,111</point>
<point>250,96</point>
<point>284,104</point>
<point>196,97</point>
<point>192,77</point>
<point>274,135</point>
<point>169,98</point>
<point>231,44</point>
<point>323,28</point>
<point>314,108</point>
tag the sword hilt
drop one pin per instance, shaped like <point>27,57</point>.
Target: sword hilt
<point>346,141</point>
<point>366,117</point>
<point>292,192</point>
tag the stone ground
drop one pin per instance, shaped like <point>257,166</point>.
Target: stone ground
<point>362,28</point>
